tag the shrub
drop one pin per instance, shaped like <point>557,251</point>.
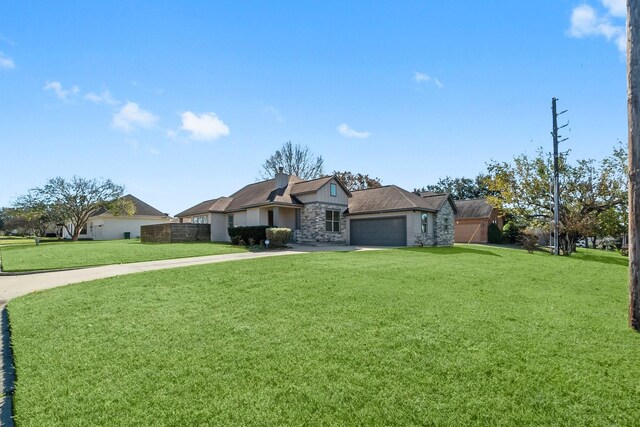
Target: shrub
<point>278,237</point>
<point>510,232</point>
<point>245,234</point>
<point>495,235</point>
<point>529,241</point>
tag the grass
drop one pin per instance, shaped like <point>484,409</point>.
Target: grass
<point>444,336</point>
<point>6,241</point>
<point>66,254</point>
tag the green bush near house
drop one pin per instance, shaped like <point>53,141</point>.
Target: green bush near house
<point>495,235</point>
<point>278,236</point>
<point>255,233</point>
<point>510,232</point>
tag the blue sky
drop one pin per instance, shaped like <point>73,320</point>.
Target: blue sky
<point>183,101</point>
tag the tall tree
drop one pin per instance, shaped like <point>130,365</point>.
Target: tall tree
<point>460,188</point>
<point>294,160</point>
<point>588,189</point>
<point>72,202</point>
<point>357,181</point>
<point>633,113</point>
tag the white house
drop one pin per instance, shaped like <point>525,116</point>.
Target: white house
<point>103,225</point>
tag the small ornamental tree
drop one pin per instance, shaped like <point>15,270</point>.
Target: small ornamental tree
<point>72,202</point>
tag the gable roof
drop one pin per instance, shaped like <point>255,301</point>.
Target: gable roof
<point>213,205</point>
<point>263,193</point>
<point>439,199</point>
<point>392,198</point>
<point>142,208</point>
<point>313,185</point>
<point>474,208</point>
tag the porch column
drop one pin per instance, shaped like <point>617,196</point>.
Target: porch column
<point>276,217</point>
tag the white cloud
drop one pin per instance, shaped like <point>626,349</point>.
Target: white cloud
<point>425,78</point>
<point>61,92</point>
<point>131,116</point>
<point>350,133</point>
<point>6,62</point>
<point>587,22</point>
<point>616,7</point>
<point>102,98</point>
<point>203,127</point>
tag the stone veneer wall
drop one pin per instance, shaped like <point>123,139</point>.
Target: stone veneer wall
<point>313,224</point>
<point>424,239</point>
<point>444,228</point>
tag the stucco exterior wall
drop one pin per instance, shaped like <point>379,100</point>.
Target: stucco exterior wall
<point>253,216</point>
<point>219,231</point>
<point>287,218</point>
<point>113,228</point>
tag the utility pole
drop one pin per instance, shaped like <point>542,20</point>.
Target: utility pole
<point>556,177</point>
<point>633,110</point>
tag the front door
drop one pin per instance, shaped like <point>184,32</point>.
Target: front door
<point>270,216</point>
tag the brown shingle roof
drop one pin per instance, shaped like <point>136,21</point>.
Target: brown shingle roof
<point>474,208</point>
<point>263,193</point>
<point>392,198</point>
<point>213,205</point>
<point>303,187</point>
<point>142,208</point>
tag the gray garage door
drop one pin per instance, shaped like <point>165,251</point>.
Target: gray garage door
<point>379,231</point>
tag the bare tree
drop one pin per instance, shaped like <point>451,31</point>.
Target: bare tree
<point>73,202</point>
<point>295,160</point>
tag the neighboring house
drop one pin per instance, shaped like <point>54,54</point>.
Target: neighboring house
<point>473,219</point>
<point>103,225</point>
<point>323,210</point>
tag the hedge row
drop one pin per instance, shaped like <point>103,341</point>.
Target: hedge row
<point>255,233</point>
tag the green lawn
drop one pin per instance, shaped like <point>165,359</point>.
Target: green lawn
<point>445,336</point>
<point>67,254</point>
<point>15,240</point>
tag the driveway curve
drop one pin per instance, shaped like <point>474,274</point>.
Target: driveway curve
<point>18,285</point>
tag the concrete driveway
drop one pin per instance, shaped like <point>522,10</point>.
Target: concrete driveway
<point>12,286</point>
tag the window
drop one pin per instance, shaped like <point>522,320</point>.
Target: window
<point>424,223</point>
<point>230,220</point>
<point>333,189</point>
<point>298,219</point>
<point>200,219</point>
<point>333,221</point>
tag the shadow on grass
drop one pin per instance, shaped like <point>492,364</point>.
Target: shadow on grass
<point>593,256</point>
<point>451,250</point>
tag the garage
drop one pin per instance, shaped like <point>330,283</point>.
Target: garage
<point>470,232</point>
<point>379,231</point>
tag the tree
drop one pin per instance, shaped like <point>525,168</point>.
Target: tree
<point>357,181</point>
<point>72,202</point>
<point>461,188</point>
<point>294,160</point>
<point>588,190</point>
